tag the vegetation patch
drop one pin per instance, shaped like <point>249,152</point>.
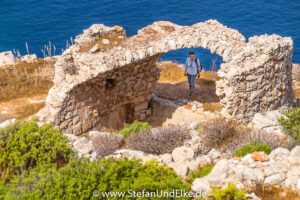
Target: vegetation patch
<point>23,145</point>
<point>230,192</point>
<point>80,178</point>
<point>158,140</point>
<point>134,128</point>
<point>291,123</point>
<point>268,192</point>
<point>26,80</point>
<point>200,172</point>
<point>216,131</point>
<point>251,148</point>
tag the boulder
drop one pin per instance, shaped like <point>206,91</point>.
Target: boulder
<point>166,158</point>
<point>83,145</point>
<point>275,179</point>
<point>260,156</point>
<point>7,122</point>
<point>72,138</point>
<point>182,154</point>
<point>294,157</point>
<point>105,41</point>
<point>268,121</point>
<point>199,162</point>
<point>28,58</point>
<point>279,154</point>
<point>252,196</point>
<point>217,177</point>
<point>94,49</point>
<point>7,58</point>
<point>244,172</point>
<point>181,168</point>
<point>214,154</point>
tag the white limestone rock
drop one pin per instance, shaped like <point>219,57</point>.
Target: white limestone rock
<point>94,49</point>
<point>28,58</point>
<point>279,154</point>
<point>105,41</point>
<point>7,122</point>
<point>166,158</point>
<point>180,168</point>
<point>294,157</point>
<point>7,58</point>
<point>268,121</point>
<point>275,179</point>
<point>182,154</point>
<point>83,145</point>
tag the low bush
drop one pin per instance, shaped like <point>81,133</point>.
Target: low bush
<point>216,131</point>
<point>134,127</point>
<point>199,172</point>
<point>229,193</point>
<point>158,140</point>
<point>80,178</point>
<point>251,148</point>
<point>106,144</point>
<point>246,136</point>
<point>24,145</point>
<point>291,123</point>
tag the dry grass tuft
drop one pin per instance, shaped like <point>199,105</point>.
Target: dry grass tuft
<point>212,107</point>
<point>246,136</point>
<point>23,112</point>
<point>158,140</point>
<point>272,192</point>
<point>25,80</point>
<point>216,131</point>
<point>115,40</point>
<point>171,72</point>
<point>106,144</point>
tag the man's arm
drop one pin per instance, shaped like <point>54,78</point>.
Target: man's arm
<point>199,67</point>
<point>185,66</point>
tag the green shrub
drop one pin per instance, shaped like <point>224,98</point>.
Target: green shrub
<point>291,123</point>
<point>250,148</point>
<point>229,193</point>
<point>24,145</point>
<point>134,127</point>
<point>80,178</point>
<point>200,172</point>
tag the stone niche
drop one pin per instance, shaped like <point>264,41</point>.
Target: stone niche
<point>108,83</point>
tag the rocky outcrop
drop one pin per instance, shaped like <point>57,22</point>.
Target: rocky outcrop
<point>7,58</point>
<point>94,86</point>
<point>280,168</point>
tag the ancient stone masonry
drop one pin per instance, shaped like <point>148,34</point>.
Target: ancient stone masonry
<point>104,74</point>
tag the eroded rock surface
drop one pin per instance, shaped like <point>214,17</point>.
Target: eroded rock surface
<point>115,81</point>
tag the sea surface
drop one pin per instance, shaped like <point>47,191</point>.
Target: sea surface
<point>39,21</point>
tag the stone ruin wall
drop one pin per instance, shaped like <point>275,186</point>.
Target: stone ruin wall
<point>255,77</point>
<point>261,82</point>
<point>110,98</point>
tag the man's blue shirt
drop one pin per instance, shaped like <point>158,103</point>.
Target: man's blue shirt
<point>191,67</point>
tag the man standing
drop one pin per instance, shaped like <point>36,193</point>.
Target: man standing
<point>192,68</point>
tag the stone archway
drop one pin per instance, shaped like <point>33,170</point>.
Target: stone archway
<point>91,85</point>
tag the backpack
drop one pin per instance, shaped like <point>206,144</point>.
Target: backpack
<point>196,59</point>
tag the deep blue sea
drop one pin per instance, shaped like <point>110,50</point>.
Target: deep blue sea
<point>39,21</point>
